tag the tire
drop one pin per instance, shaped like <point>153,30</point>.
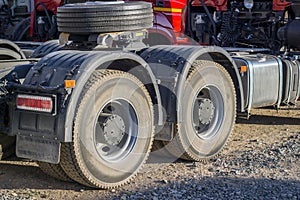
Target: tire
<point>104,29</point>
<point>209,114</point>
<point>97,16</point>
<point>112,133</point>
<point>107,23</point>
<point>111,7</point>
<point>7,146</point>
<point>113,19</point>
<point>87,18</point>
<point>55,171</point>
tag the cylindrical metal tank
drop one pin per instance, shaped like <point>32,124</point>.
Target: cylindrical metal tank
<point>262,80</point>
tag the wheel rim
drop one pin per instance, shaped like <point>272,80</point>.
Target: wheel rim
<point>208,112</point>
<point>116,129</point>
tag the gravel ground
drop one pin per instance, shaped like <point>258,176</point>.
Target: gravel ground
<point>262,161</point>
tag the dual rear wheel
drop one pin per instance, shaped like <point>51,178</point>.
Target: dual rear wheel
<point>113,127</point>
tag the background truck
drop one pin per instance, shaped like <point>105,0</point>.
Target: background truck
<point>88,106</point>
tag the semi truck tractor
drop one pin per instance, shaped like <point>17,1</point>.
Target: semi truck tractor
<point>125,78</point>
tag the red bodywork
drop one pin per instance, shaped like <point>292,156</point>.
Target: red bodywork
<point>175,12</point>
<point>169,15</point>
<point>51,6</point>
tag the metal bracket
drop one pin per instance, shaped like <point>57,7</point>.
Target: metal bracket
<point>166,133</point>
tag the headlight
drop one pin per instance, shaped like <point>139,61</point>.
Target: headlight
<point>248,4</point>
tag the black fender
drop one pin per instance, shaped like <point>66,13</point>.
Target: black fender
<point>51,71</point>
<point>171,65</point>
<point>10,56</point>
<point>123,61</point>
<point>12,50</point>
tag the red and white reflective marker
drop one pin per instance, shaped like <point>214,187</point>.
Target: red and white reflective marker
<point>34,103</point>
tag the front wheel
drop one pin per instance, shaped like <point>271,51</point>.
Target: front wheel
<point>208,113</point>
<point>113,131</point>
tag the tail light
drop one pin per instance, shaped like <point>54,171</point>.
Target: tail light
<point>36,103</point>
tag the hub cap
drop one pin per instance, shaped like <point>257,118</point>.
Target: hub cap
<point>208,112</point>
<point>116,129</point>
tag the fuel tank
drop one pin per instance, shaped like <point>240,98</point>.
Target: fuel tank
<point>268,80</point>
<point>291,81</point>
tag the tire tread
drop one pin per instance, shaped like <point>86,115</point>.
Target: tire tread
<point>69,158</point>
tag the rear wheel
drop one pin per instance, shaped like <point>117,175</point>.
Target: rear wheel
<point>209,114</point>
<point>113,131</point>
<point>55,171</point>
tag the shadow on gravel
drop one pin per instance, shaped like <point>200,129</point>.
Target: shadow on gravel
<point>218,188</point>
<point>22,175</point>
<point>270,120</point>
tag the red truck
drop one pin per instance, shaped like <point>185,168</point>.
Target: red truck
<point>88,106</point>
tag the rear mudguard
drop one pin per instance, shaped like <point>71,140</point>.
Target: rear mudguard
<point>14,51</point>
<point>48,75</point>
<point>171,65</point>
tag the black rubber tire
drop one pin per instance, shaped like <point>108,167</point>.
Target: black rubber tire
<point>99,15</point>
<point>112,19</point>
<point>55,171</point>
<point>46,48</point>
<point>107,23</point>
<point>81,159</point>
<point>187,144</point>
<point>104,7</point>
<point>90,30</point>
<point>100,18</point>
<point>7,146</point>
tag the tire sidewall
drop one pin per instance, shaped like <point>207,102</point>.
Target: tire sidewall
<point>95,99</point>
<point>208,74</point>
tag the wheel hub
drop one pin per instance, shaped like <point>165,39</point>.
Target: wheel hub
<point>206,111</point>
<point>114,130</point>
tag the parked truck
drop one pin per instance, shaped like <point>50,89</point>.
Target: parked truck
<point>90,106</point>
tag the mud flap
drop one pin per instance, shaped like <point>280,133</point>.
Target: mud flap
<point>38,149</point>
